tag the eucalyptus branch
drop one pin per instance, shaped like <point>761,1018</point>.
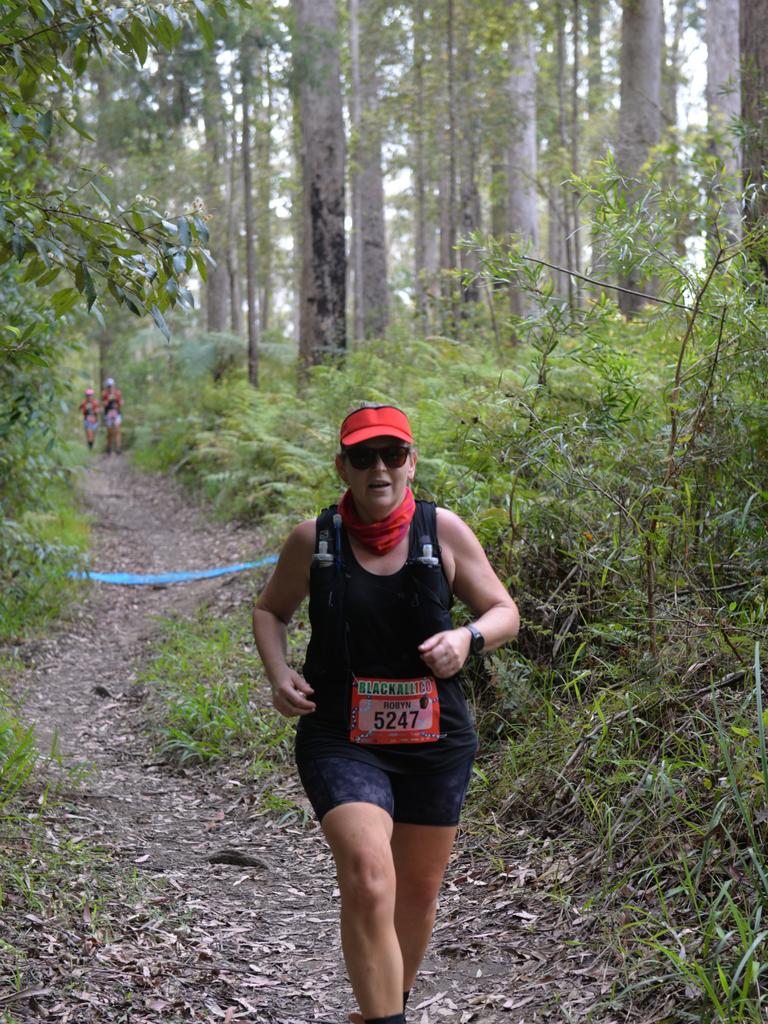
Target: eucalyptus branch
<point>605,284</point>
<point>679,367</point>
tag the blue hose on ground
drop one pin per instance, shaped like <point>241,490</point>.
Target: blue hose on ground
<point>128,579</point>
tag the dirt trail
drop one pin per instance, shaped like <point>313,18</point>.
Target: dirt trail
<point>255,942</point>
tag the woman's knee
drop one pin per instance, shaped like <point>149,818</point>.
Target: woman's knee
<point>418,895</point>
<point>366,876</point>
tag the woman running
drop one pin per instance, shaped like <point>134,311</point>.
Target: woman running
<point>385,742</point>
<point>112,401</point>
<point>90,409</point>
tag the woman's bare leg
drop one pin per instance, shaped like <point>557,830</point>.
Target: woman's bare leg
<point>359,835</point>
<point>420,854</point>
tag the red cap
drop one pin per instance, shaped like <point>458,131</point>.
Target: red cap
<point>89,391</point>
<point>386,421</point>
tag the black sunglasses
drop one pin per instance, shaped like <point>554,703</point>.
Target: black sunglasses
<point>362,457</point>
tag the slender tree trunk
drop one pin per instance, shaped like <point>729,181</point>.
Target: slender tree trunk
<point>370,180</point>
<point>469,149</point>
<point>556,232</point>
<point>419,169</point>
<point>297,217</point>
<point>250,255</point>
<point>448,204</point>
<point>233,256</point>
<point>640,110</point>
<point>323,279</point>
<point>670,67</point>
<point>356,117</point>
<point>575,145</point>
<point>499,190</point>
<point>594,53</point>
<point>561,205</point>
<point>217,283</point>
<point>754,89</point>
<point>264,195</point>
<point>451,246</point>
<point>594,104</point>
<point>522,215</point>
<point>724,108</point>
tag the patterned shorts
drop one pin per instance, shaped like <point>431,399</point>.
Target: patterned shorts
<point>412,799</point>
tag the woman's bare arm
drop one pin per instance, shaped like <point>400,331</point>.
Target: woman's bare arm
<point>286,589</point>
<point>476,584</point>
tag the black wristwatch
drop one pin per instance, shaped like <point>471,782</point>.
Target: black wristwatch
<point>477,643</point>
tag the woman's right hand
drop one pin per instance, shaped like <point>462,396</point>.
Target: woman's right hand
<point>290,694</point>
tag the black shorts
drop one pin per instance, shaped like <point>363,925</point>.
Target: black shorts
<point>416,799</point>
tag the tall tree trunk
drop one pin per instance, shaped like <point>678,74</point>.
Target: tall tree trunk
<point>556,233</point>
<point>264,194</point>
<point>233,255</point>
<point>575,146</point>
<point>639,114</point>
<point>356,117</point>
<point>469,137</point>
<point>670,66</point>
<point>372,236</point>
<point>217,281</point>
<point>448,179</point>
<point>499,190</point>
<point>594,53</point>
<point>560,204</point>
<point>419,168</point>
<point>250,255</point>
<point>724,107</point>
<point>323,279</point>
<point>595,101</point>
<point>522,215</point>
<point>754,89</point>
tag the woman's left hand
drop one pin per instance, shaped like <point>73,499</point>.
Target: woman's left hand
<point>445,652</point>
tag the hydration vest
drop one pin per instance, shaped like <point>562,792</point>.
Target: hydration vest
<point>426,590</point>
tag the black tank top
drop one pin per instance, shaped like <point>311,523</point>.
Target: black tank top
<point>374,629</point>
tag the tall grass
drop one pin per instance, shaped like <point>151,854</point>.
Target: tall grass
<point>211,700</point>
<point>38,550</point>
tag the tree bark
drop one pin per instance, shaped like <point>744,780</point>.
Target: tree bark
<point>322,327</point>
<point>575,146</point>
<point>594,53</point>
<point>371,235</point>
<point>522,214</point>
<point>670,67</point>
<point>754,89</point>
<point>217,281</point>
<point>233,255</point>
<point>448,178</point>
<point>420,168</point>
<point>595,100</point>
<point>556,232</point>
<point>640,106</point>
<point>499,190</point>
<point>560,206</point>
<point>724,107</point>
<point>264,195</point>
<point>469,148</point>
<point>356,117</point>
<point>250,255</point>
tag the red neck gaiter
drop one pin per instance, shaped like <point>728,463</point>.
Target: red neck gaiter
<point>384,535</point>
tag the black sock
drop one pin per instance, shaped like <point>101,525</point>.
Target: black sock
<point>395,1018</point>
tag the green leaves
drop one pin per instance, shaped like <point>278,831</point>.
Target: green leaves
<point>128,253</point>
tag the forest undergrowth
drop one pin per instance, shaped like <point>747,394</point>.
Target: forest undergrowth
<point>612,470</point>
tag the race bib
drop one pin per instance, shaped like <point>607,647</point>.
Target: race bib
<point>394,710</point>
